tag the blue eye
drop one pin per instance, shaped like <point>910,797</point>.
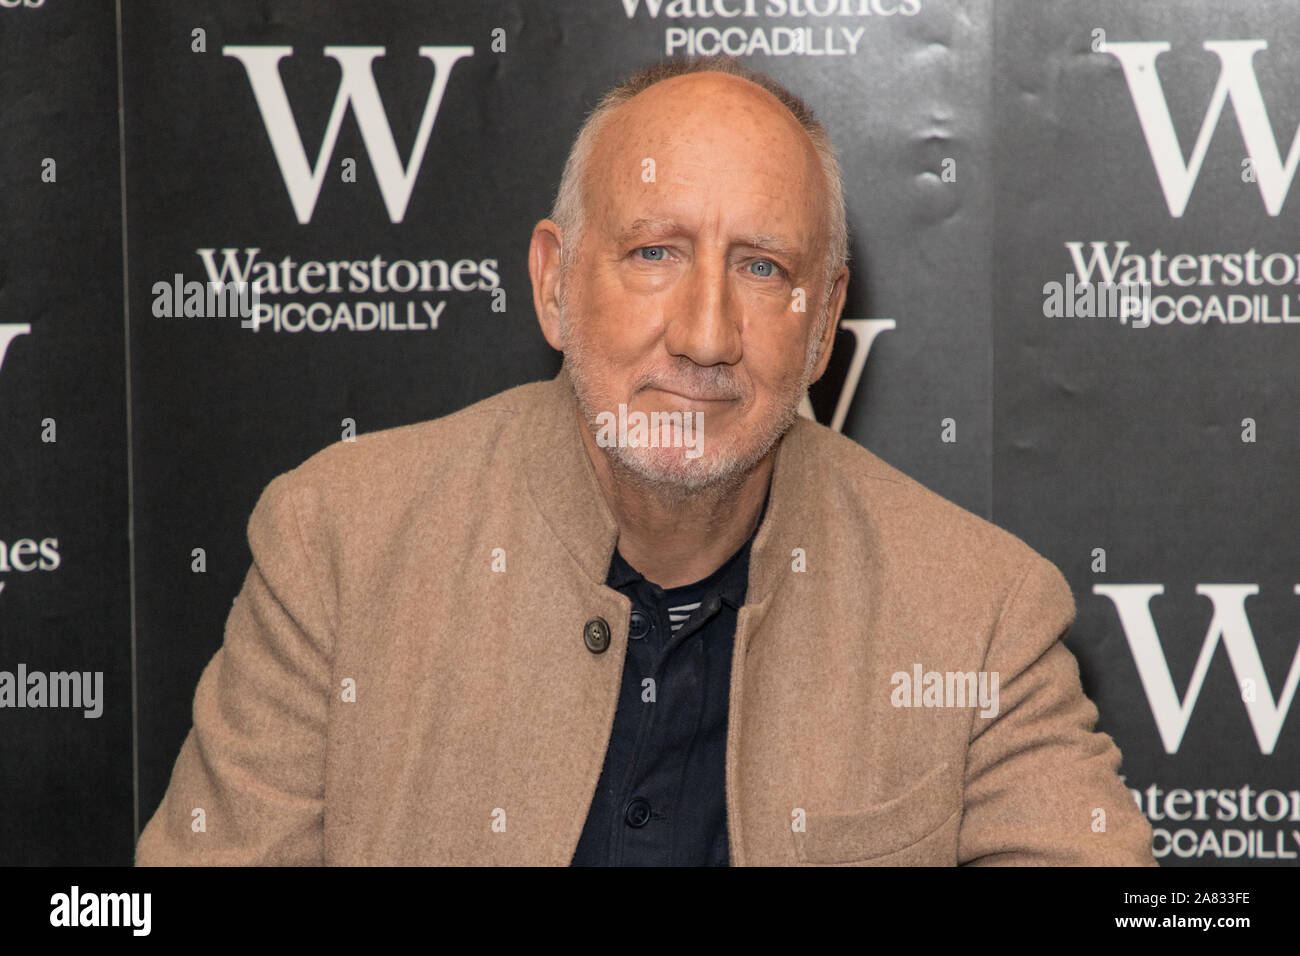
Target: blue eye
<point>767,265</point>
<point>644,250</point>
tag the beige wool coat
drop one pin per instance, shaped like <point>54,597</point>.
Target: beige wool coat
<point>387,694</point>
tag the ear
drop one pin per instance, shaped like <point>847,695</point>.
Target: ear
<point>839,291</point>
<point>544,271</point>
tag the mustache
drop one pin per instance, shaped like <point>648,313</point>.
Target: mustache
<point>713,382</point>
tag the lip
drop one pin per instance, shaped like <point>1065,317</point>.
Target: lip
<point>692,398</point>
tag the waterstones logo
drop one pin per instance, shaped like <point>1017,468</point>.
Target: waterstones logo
<point>7,334</point>
<point>21,555</point>
<point>1186,822</point>
<point>356,89</point>
<point>1198,286</point>
<point>307,281</point>
<point>1237,82</point>
<point>749,39</point>
<point>1229,625</point>
<point>864,333</point>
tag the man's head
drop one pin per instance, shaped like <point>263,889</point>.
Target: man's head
<point>695,262</point>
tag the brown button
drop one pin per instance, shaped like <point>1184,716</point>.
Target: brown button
<point>596,635</point>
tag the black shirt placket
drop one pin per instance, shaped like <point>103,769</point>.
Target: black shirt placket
<point>661,795</point>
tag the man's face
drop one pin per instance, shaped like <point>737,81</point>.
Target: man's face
<point>699,285</point>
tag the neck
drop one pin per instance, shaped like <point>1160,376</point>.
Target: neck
<point>678,539</point>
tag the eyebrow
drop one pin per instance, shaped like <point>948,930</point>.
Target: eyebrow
<point>650,227</point>
<point>644,228</point>
<point>769,243</point>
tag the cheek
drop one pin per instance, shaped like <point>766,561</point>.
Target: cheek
<point>775,361</point>
<point>620,327</point>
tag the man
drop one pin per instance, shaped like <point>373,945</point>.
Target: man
<point>746,640</point>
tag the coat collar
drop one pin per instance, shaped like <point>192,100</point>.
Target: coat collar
<point>566,491</point>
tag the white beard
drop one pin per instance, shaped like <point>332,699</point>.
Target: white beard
<point>667,471</point>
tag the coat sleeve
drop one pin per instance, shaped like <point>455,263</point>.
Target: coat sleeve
<point>254,760</point>
<point>1042,786</point>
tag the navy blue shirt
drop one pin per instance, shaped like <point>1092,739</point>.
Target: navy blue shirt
<point>661,798</point>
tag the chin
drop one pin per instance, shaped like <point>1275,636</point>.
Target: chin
<point>670,470</point>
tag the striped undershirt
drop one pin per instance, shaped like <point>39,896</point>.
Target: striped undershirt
<point>678,614</point>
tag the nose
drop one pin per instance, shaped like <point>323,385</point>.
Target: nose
<point>705,325</point>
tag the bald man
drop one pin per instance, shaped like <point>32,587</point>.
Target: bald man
<point>644,613</point>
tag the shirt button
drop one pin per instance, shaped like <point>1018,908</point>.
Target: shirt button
<point>637,813</point>
<point>639,626</point>
<point>596,635</point>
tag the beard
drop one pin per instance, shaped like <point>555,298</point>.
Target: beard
<point>666,471</point>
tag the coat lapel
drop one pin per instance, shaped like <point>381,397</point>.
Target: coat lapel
<point>565,492</point>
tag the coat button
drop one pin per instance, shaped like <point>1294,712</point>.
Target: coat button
<point>596,635</point>
<point>639,626</point>
<point>637,813</point>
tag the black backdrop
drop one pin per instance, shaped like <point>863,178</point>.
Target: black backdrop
<point>977,139</point>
